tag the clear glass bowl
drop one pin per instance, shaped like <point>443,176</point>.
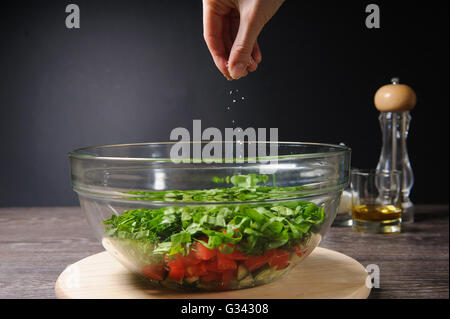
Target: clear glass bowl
<point>210,226</point>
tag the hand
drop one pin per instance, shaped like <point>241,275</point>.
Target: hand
<point>231,29</point>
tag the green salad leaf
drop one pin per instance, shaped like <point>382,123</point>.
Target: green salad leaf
<point>253,228</point>
<point>245,188</point>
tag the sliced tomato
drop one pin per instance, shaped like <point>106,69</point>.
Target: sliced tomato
<point>190,259</point>
<point>175,263</point>
<point>236,255</point>
<point>201,269</point>
<point>298,251</point>
<point>211,265</point>
<point>225,263</point>
<point>203,253</point>
<point>211,276</point>
<point>227,276</point>
<point>255,262</point>
<point>269,254</point>
<point>191,271</point>
<point>176,273</point>
<point>280,259</point>
<point>177,269</point>
<point>196,270</point>
<point>154,271</point>
<point>179,260</point>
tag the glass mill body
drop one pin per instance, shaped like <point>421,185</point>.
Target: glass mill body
<point>394,101</point>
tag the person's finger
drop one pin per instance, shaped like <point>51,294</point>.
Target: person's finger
<point>256,53</point>
<point>252,65</point>
<point>234,23</point>
<point>234,27</point>
<point>255,58</point>
<point>249,28</point>
<point>213,34</point>
<point>227,35</point>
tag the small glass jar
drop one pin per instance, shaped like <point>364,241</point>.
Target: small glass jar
<point>344,213</point>
<point>376,205</point>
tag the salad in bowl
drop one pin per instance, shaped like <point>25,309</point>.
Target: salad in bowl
<point>227,232</point>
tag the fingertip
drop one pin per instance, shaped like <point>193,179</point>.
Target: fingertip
<point>226,75</point>
<point>258,59</point>
<point>252,66</point>
<point>237,69</point>
<point>256,54</point>
<point>222,65</point>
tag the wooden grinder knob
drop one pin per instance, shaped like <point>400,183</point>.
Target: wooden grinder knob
<point>395,97</point>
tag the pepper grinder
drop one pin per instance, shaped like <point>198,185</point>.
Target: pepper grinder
<point>394,101</point>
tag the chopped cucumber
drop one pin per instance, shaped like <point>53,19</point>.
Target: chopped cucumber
<point>233,283</point>
<point>264,274</point>
<point>191,280</point>
<point>279,273</point>
<point>202,285</point>
<point>260,269</point>
<point>169,283</point>
<point>242,272</point>
<point>247,281</point>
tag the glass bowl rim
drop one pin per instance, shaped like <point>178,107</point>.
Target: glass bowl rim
<point>79,152</point>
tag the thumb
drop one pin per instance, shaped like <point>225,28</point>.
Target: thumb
<point>240,55</point>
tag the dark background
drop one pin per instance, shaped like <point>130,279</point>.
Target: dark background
<point>137,69</point>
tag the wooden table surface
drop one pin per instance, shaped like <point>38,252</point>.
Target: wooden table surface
<point>36,244</point>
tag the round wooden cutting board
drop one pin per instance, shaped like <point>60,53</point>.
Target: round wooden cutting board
<point>324,274</point>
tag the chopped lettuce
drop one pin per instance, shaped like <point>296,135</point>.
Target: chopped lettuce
<point>245,188</point>
<point>254,228</point>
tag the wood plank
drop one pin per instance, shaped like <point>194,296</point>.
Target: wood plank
<point>36,244</point>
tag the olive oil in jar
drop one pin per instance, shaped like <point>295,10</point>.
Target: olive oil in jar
<point>376,213</point>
